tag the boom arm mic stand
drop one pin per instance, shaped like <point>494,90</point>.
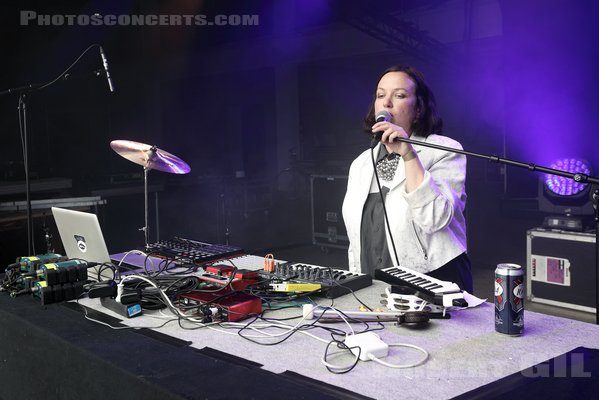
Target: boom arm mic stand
<point>582,178</point>
<point>22,91</point>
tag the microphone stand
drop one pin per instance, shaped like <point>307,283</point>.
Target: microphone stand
<point>23,107</point>
<point>583,178</point>
<point>22,91</point>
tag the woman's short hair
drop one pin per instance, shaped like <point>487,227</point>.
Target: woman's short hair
<point>429,121</point>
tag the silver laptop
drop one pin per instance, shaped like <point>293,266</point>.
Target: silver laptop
<point>82,238</point>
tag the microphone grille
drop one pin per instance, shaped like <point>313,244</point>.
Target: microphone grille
<point>382,116</point>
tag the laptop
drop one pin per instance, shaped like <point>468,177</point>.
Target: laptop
<point>82,238</point>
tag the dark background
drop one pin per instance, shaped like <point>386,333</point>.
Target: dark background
<point>255,110</point>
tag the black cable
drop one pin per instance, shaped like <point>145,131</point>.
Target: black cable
<point>351,319</point>
<point>193,283</point>
<point>21,109</point>
<point>165,261</point>
<point>280,319</point>
<point>353,294</point>
<point>343,346</point>
<point>11,277</point>
<point>45,85</point>
<point>378,183</point>
<point>23,134</point>
<point>104,266</point>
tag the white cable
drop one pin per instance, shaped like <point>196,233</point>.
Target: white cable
<point>120,288</point>
<point>270,325</point>
<point>172,308</point>
<point>187,318</point>
<point>378,360</point>
<point>295,328</point>
<point>139,252</point>
<point>263,334</point>
<point>375,359</point>
<point>307,315</point>
<point>277,324</point>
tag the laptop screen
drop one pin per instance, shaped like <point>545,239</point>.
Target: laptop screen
<point>81,235</point>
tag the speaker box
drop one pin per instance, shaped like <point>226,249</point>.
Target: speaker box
<point>327,193</point>
<point>561,268</point>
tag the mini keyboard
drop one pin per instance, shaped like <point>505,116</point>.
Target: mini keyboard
<point>435,291</point>
<point>334,282</point>
<point>191,251</point>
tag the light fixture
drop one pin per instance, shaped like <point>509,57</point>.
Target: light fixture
<point>566,197</point>
<point>566,186</point>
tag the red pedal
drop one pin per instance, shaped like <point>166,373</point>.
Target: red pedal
<point>220,269</point>
<point>220,275</point>
<point>246,274</point>
<point>233,307</point>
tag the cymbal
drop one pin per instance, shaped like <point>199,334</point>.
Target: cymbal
<point>150,157</point>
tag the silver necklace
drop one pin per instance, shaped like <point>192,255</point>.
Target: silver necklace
<point>386,166</point>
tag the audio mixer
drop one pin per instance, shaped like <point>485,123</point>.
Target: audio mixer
<point>334,282</point>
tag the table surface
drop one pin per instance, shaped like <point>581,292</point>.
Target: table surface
<point>465,352</point>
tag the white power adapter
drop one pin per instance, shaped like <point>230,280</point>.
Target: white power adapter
<point>368,345</point>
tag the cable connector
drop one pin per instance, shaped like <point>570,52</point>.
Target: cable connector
<point>269,263</point>
<point>367,345</point>
<point>102,289</point>
<point>120,288</point>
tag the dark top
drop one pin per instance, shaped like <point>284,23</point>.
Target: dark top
<point>375,252</point>
<point>373,240</point>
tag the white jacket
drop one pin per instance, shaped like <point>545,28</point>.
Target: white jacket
<point>428,224</point>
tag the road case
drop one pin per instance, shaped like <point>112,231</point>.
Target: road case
<point>328,227</point>
<point>561,268</point>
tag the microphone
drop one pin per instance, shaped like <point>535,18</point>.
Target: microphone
<point>105,63</point>
<point>379,117</point>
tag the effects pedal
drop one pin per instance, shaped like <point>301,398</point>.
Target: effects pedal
<point>227,306</point>
<point>221,274</point>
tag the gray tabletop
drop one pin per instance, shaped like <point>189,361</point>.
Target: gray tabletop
<point>465,352</point>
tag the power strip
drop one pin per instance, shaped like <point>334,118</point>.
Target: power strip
<point>368,345</point>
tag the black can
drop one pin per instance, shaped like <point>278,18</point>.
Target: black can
<point>509,299</point>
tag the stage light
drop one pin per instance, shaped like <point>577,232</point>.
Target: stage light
<point>565,186</point>
<point>566,197</point>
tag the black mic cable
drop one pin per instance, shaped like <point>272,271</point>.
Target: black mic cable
<point>378,184</point>
<point>380,117</point>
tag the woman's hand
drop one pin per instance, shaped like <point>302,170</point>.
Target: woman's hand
<point>390,132</point>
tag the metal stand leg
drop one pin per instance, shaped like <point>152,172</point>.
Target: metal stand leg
<point>595,198</point>
<point>146,227</point>
<point>157,220</point>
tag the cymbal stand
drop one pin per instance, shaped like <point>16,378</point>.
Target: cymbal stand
<point>146,228</point>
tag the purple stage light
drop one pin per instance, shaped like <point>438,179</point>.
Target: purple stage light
<point>565,186</point>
